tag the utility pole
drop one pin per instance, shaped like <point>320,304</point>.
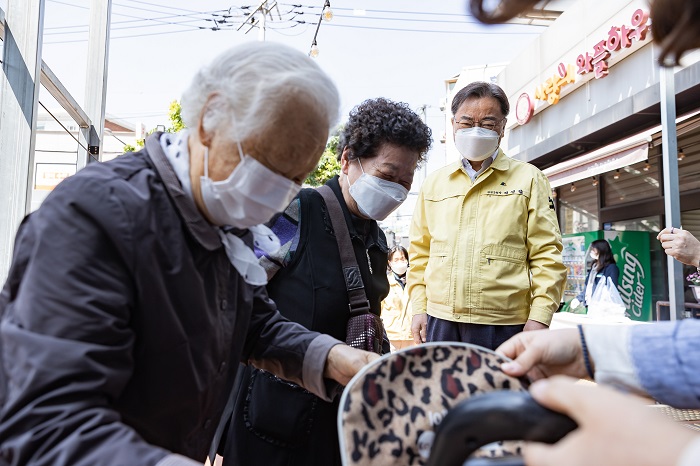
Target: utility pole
<point>265,8</point>
<point>669,139</point>
<point>423,110</point>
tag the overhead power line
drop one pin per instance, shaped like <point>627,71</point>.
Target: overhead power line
<point>169,7</point>
<point>430,30</point>
<point>229,19</point>
<point>421,13</point>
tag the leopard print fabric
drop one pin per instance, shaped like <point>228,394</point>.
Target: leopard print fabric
<point>390,410</point>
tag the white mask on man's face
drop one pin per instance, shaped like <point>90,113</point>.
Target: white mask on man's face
<point>476,144</point>
<point>250,195</point>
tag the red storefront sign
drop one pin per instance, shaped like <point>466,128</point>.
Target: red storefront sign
<point>618,38</point>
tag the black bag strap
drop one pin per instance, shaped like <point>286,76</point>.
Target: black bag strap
<point>359,304</point>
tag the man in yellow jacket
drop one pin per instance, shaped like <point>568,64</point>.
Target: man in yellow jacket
<point>485,246</point>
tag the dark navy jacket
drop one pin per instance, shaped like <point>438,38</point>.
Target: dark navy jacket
<point>123,323</point>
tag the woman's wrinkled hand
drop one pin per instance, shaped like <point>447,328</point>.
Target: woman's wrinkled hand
<point>344,361</point>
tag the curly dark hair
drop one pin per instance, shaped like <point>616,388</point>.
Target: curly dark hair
<point>378,121</point>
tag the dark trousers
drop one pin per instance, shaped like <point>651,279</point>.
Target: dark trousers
<point>488,336</point>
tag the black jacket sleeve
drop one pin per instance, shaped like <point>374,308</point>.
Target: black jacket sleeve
<point>288,349</point>
<point>65,338</point>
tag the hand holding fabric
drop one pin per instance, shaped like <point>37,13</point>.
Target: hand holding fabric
<point>343,362</point>
<point>544,353</point>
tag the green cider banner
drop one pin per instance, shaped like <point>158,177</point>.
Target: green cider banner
<point>631,250</point>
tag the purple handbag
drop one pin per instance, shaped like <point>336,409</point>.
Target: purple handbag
<point>364,329</point>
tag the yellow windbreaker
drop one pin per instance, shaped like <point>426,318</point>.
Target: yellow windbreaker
<point>487,252</point>
<point>396,312</point>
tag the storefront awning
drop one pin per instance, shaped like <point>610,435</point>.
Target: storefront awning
<point>620,154</point>
<point>608,158</point>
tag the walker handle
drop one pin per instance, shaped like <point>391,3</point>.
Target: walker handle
<point>490,417</point>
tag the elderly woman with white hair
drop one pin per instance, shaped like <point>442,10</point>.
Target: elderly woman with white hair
<point>134,291</point>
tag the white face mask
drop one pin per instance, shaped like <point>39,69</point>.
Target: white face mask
<point>476,144</point>
<point>399,267</point>
<point>250,195</point>
<point>376,198</point>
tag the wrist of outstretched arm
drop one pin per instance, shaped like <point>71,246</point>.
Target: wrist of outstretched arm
<point>609,349</point>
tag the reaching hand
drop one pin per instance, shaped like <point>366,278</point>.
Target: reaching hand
<point>614,429</point>
<point>544,353</point>
<point>681,245</point>
<point>419,328</point>
<point>344,361</point>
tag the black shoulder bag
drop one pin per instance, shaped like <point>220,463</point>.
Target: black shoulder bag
<point>364,330</point>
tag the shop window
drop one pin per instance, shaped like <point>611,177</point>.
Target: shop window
<point>690,220</point>
<point>632,183</point>
<point>578,206</point>
<point>652,224</point>
<point>689,167</point>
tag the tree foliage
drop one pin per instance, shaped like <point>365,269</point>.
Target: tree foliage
<point>328,166</point>
<point>176,125</point>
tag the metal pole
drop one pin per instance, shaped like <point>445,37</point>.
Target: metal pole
<point>261,27</point>
<point>96,82</point>
<point>19,91</point>
<point>672,201</point>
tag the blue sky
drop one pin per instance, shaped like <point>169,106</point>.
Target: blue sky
<point>400,49</point>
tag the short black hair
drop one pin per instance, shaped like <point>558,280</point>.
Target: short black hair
<point>378,121</point>
<point>481,89</point>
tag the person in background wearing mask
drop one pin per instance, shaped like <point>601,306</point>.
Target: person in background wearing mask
<point>396,310</point>
<point>275,423</point>
<point>485,245</point>
<point>132,296</point>
<point>603,266</point>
